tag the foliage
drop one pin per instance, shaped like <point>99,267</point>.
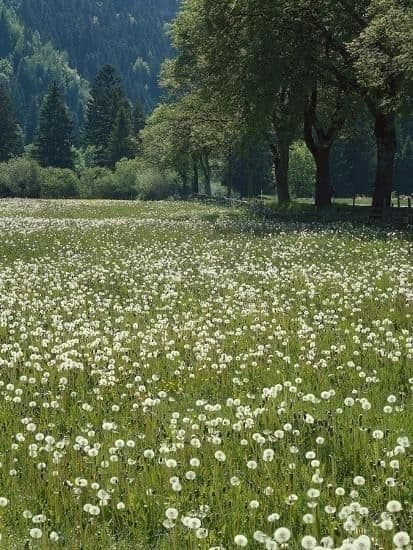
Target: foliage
<point>129,34</point>
<point>58,183</point>
<point>95,183</point>
<point>120,143</point>
<point>126,178</point>
<point>101,183</point>
<point>301,174</point>
<point>184,135</point>
<point>53,145</point>
<point>249,170</point>
<point>107,99</point>
<point>248,56</point>
<point>138,118</point>
<point>155,185</point>
<point>11,143</point>
<point>20,177</point>
<point>42,41</point>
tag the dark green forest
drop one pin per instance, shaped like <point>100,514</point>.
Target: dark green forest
<point>69,41</point>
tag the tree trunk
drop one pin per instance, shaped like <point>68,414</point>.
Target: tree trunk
<point>319,142</point>
<point>195,176</point>
<point>206,169</point>
<point>281,160</point>
<point>184,178</point>
<point>323,188</point>
<point>385,132</point>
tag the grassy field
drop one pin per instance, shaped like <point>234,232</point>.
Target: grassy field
<point>177,376</point>
<point>337,201</point>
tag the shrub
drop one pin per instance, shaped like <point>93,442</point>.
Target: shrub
<point>20,177</point>
<point>95,183</point>
<point>125,179</point>
<point>58,183</point>
<point>86,158</point>
<point>154,185</point>
<point>302,171</point>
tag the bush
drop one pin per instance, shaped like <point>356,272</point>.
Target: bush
<point>153,185</point>
<point>101,183</point>
<point>126,179</point>
<point>20,177</point>
<point>58,183</point>
<point>95,183</point>
<point>302,171</point>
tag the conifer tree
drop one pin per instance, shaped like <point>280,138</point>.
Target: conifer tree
<point>138,118</point>
<point>53,145</point>
<point>119,144</point>
<point>106,99</point>
<point>32,121</point>
<point>11,143</point>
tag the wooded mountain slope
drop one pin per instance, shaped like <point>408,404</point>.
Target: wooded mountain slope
<point>41,40</point>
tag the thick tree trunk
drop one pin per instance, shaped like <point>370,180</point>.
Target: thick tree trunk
<point>323,188</point>
<point>385,132</point>
<point>319,142</point>
<point>281,159</point>
<point>206,169</point>
<point>195,176</point>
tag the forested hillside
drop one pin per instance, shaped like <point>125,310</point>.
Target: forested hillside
<point>69,41</point>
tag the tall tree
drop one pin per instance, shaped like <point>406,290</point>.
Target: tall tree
<point>106,100</point>
<point>324,117</point>
<point>236,54</point>
<point>285,119</point>
<point>249,170</point>
<point>138,118</point>
<point>184,136</point>
<point>382,54</point>
<point>364,46</point>
<point>119,145</point>
<point>244,52</point>
<point>53,145</point>
<point>11,143</point>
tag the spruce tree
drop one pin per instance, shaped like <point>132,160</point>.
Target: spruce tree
<point>11,143</point>
<point>53,145</point>
<point>106,100</point>
<point>138,118</point>
<point>119,144</point>
<point>32,121</point>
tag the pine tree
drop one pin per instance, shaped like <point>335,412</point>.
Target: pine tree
<point>119,144</point>
<point>32,121</point>
<point>5,35</point>
<point>11,143</point>
<point>53,145</point>
<point>138,118</point>
<point>107,98</point>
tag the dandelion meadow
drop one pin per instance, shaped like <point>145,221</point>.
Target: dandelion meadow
<point>177,376</point>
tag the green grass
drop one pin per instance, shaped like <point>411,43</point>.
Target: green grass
<point>137,337</point>
<point>337,201</point>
